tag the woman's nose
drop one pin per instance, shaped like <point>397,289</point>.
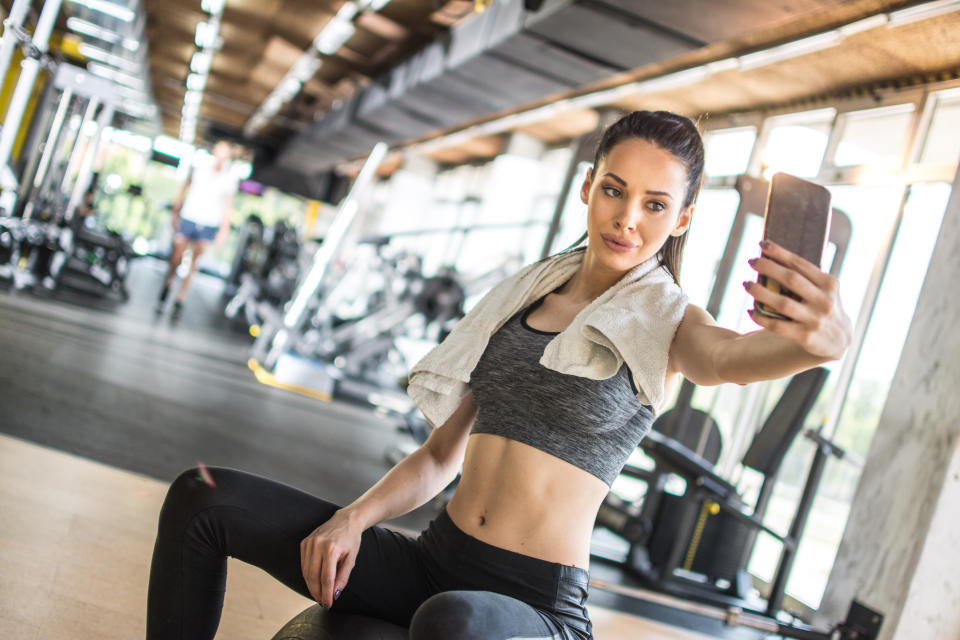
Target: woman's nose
<point>627,220</point>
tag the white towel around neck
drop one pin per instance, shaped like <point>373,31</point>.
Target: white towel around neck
<point>633,321</point>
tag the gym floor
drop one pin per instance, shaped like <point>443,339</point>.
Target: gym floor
<point>104,403</point>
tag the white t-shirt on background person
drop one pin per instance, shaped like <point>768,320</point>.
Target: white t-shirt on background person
<point>207,194</point>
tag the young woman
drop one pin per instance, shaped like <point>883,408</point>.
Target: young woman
<point>539,418</point>
<point>201,215</point>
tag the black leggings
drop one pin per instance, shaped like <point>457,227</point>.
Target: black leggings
<point>443,584</point>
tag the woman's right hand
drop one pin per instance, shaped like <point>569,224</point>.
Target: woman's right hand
<point>327,556</point>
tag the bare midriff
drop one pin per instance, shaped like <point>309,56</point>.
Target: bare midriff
<point>516,497</point>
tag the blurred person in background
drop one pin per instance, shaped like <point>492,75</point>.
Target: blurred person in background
<point>201,215</point>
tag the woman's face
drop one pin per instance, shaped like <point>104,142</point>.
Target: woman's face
<point>634,203</point>
<point>222,151</point>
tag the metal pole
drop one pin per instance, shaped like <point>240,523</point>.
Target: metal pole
<point>49,148</point>
<point>732,616</point>
<point>789,552</point>
<point>298,306</point>
<point>18,12</point>
<point>86,168</point>
<point>76,153</point>
<point>29,69</point>
<point>576,158</point>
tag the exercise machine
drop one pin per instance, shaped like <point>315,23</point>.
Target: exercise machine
<point>43,238</point>
<point>264,273</point>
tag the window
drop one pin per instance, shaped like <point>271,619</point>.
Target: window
<point>875,136</point>
<point>942,144</point>
<point>727,151</point>
<point>712,219</point>
<point>573,220</point>
<point>874,372</point>
<point>796,143</point>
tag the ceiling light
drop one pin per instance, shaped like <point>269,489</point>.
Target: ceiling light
<point>137,108</point>
<point>96,53</point>
<point>790,50</point>
<point>89,29</point>
<point>290,86</point>
<point>192,98</point>
<point>673,80</point>
<point>347,11</point>
<point>109,8</point>
<point>866,24</point>
<point>334,35</point>
<point>130,92</point>
<point>196,82</point>
<point>212,6</point>
<point>131,44</point>
<point>727,64</point>
<point>306,67</point>
<point>376,5</point>
<point>200,62</point>
<point>206,36</point>
<point>117,76</point>
<point>272,104</point>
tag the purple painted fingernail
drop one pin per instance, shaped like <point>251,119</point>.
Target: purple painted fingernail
<point>336,594</point>
<point>752,261</point>
<point>747,284</point>
<point>764,244</point>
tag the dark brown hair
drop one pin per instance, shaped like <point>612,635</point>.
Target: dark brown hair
<point>671,132</point>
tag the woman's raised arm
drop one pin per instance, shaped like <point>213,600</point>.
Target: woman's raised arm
<point>818,331</point>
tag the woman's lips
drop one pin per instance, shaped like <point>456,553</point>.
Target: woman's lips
<point>617,244</point>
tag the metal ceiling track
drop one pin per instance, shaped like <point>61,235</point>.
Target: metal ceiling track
<point>502,58</point>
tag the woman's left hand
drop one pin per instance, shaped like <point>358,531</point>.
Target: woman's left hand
<point>817,321</point>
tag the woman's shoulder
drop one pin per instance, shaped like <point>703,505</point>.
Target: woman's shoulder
<point>695,315</point>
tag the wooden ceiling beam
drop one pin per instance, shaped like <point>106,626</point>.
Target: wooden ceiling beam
<point>452,12</point>
<point>167,68</point>
<point>382,26</point>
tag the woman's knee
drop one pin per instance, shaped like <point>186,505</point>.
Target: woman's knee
<point>451,614</point>
<point>192,491</point>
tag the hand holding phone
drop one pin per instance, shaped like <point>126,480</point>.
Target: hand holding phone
<point>797,218</point>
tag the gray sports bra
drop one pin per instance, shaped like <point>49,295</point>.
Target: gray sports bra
<point>593,424</point>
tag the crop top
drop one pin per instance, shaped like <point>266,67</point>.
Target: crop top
<point>592,424</point>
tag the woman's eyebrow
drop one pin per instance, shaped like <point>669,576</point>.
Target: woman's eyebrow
<point>659,193</point>
<point>616,177</point>
<point>624,183</point>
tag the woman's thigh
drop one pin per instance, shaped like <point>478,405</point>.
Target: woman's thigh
<point>262,522</point>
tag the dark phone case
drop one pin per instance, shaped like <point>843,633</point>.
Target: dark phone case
<point>797,218</point>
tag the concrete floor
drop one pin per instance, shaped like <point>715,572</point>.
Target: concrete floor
<point>118,384</point>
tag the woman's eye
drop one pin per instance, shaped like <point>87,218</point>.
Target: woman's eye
<point>613,192</point>
<point>653,205</point>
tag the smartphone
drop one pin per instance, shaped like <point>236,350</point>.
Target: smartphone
<point>797,217</point>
